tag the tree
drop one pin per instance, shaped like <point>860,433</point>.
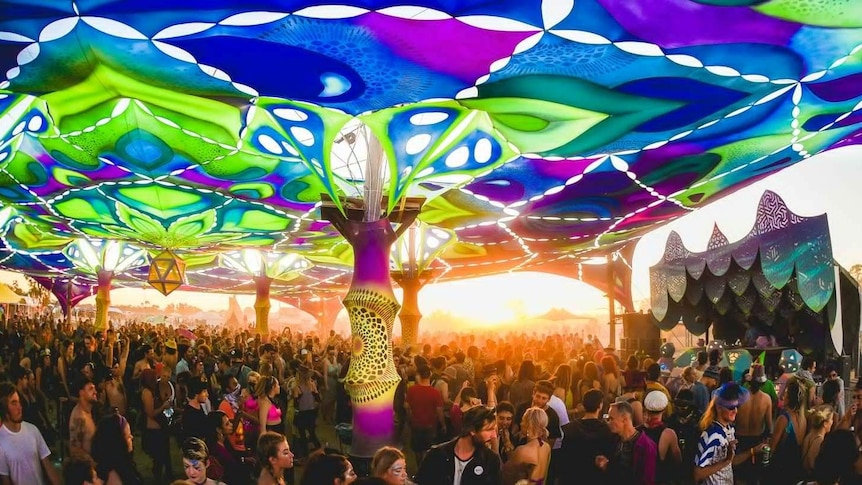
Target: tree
<point>856,272</point>
<point>37,292</point>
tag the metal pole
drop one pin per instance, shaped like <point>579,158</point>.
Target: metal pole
<point>612,342</point>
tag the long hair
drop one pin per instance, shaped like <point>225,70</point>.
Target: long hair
<point>265,385</point>
<point>632,363</point>
<point>527,371</point>
<point>383,460</point>
<point>795,393</point>
<point>563,376</point>
<point>710,415</point>
<point>267,447</point>
<point>609,365</point>
<point>110,450</point>
<point>591,373</point>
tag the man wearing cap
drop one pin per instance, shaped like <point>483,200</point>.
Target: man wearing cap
<point>667,446</point>
<point>466,460</point>
<point>753,420</point>
<point>685,421</point>
<point>238,369</point>
<point>716,449</point>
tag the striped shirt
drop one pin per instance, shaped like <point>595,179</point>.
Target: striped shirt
<point>712,448</point>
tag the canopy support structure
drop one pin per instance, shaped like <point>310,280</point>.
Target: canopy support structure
<point>103,300</point>
<point>262,305</point>
<point>371,305</point>
<point>410,314</point>
<point>612,322</point>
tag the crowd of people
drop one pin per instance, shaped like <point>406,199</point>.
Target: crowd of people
<point>470,409</point>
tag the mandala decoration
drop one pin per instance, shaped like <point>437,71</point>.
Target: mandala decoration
<point>542,133</point>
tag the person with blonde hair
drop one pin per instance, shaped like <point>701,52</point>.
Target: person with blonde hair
<point>819,423</point>
<point>535,454</point>
<point>612,380</point>
<point>269,415</point>
<point>196,459</point>
<point>716,449</point>
<point>274,457</point>
<point>789,432</point>
<point>390,465</point>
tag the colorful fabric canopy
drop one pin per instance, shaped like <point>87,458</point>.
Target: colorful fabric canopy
<point>541,132</point>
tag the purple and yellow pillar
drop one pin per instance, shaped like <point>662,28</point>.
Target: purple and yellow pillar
<point>262,284</point>
<point>410,314</point>
<point>371,305</point>
<point>103,300</point>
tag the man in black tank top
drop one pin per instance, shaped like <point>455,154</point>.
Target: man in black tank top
<point>668,454</point>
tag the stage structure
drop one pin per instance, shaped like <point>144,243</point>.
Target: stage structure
<point>779,279</point>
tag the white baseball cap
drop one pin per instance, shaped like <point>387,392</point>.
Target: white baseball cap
<point>655,401</point>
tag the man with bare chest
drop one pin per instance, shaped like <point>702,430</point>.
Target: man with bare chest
<point>753,423</point>
<point>82,424</point>
<point>115,392</point>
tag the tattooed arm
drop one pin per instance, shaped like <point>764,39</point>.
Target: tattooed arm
<point>76,436</point>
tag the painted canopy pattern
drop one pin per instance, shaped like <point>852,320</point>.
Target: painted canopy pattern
<point>541,132</point>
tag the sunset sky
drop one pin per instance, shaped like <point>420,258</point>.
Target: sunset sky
<point>825,183</point>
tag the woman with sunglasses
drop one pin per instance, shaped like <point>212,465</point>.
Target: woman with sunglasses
<point>717,445</point>
<point>390,465</point>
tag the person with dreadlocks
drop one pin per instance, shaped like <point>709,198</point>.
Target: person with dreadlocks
<point>790,429</point>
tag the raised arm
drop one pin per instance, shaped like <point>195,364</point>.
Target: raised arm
<point>124,356</point>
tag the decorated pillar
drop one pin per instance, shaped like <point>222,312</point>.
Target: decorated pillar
<point>103,300</point>
<point>104,259</point>
<point>411,267</point>
<point>371,305</point>
<point>264,267</point>
<point>262,304</point>
<point>410,314</point>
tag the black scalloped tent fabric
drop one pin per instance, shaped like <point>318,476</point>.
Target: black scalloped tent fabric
<point>780,276</point>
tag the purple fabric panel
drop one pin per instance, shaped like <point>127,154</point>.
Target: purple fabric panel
<point>447,46</point>
<point>697,24</point>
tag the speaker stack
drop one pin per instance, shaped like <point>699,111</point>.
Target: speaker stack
<point>640,334</point>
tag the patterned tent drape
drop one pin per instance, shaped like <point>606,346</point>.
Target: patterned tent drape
<point>783,265</point>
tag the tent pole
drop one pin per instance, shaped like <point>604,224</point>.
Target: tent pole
<point>612,342</point>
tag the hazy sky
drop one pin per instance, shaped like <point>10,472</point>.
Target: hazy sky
<point>831,183</point>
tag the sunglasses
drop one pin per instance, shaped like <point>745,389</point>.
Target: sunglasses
<point>730,408</point>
